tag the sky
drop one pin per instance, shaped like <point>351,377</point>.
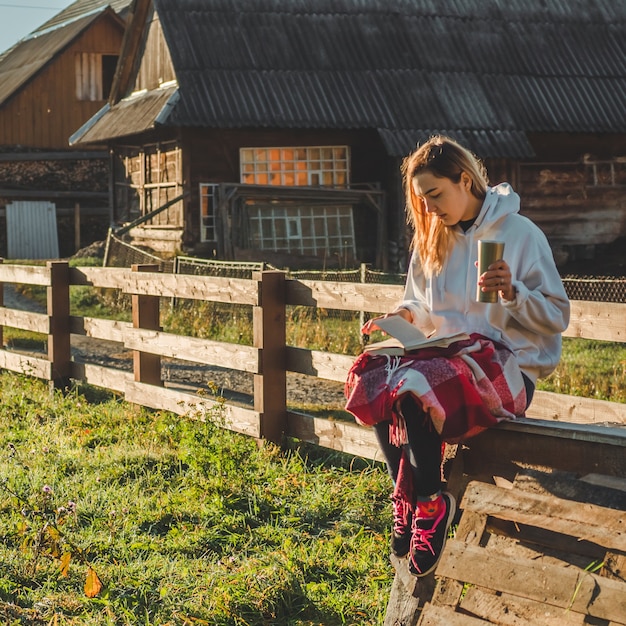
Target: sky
<point>20,17</point>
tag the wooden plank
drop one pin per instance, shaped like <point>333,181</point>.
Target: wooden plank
<point>241,420</point>
<point>433,615</point>
<point>605,491</point>
<point>590,448</point>
<point>597,320</point>
<point>99,376</point>
<point>340,436</point>
<point>507,610</point>
<point>27,274</point>
<point>25,320</point>
<point>591,433</point>
<point>221,353</point>
<point>403,605</point>
<point>104,277</point>
<point>229,290</point>
<point>610,482</point>
<point>550,513</point>
<point>344,296</point>
<point>29,365</point>
<point>53,156</point>
<point>470,529</point>
<point>321,364</point>
<point>547,405</point>
<point>566,587</point>
<point>99,328</point>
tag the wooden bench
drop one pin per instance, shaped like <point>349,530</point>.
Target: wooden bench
<point>540,533</point>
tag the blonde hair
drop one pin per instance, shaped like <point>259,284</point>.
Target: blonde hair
<point>445,158</point>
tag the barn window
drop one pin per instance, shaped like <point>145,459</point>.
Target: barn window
<point>148,178</point>
<point>606,173</point>
<point>208,208</point>
<point>311,166</point>
<point>306,230</point>
<point>94,75</point>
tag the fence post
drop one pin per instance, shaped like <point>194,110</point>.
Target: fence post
<point>58,306</point>
<point>1,304</point>
<point>270,385</point>
<point>146,366</point>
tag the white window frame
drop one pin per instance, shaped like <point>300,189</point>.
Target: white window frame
<point>208,212</point>
<point>337,237</point>
<point>90,76</point>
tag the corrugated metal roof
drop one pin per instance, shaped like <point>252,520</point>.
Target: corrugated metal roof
<point>81,8</point>
<point>493,69</point>
<point>132,115</point>
<point>495,143</point>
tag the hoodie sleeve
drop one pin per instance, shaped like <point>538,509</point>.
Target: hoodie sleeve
<point>415,299</point>
<point>541,304</point>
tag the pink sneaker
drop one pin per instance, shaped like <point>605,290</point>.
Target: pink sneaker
<point>431,521</point>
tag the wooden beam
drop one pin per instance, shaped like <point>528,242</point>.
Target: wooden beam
<point>59,347</point>
<point>270,385</point>
<point>83,155</point>
<point>147,366</point>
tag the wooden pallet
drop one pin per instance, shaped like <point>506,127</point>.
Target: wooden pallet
<point>546,550</point>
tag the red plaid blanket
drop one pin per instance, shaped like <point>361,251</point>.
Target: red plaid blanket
<point>465,388</point>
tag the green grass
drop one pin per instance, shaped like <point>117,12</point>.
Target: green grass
<point>182,521</point>
<point>593,369</point>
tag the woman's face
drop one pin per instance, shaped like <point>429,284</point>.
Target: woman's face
<point>448,201</point>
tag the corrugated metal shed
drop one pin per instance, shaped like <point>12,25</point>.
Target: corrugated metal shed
<point>32,230</point>
<point>489,70</point>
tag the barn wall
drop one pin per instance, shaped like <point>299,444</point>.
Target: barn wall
<point>46,111</point>
<point>213,157</point>
<point>575,190</point>
<point>156,63</point>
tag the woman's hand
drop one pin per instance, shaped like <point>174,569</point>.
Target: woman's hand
<point>371,325</point>
<point>498,278</point>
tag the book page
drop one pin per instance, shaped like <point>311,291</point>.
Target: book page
<point>403,331</point>
<point>406,337</point>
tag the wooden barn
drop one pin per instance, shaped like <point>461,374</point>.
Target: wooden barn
<point>51,82</point>
<point>275,129</point>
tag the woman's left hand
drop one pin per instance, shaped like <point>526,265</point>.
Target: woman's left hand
<point>498,278</point>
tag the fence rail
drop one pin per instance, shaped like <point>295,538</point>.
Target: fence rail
<point>269,358</point>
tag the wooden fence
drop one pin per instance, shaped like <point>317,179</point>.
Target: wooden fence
<point>268,359</point>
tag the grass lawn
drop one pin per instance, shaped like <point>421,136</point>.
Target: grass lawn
<point>168,520</point>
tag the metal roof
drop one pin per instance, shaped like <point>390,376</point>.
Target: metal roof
<point>81,8</point>
<point>143,109</point>
<point>492,70</point>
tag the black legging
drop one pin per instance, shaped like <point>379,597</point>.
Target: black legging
<point>423,449</point>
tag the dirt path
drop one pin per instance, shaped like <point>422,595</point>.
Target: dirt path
<point>233,384</point>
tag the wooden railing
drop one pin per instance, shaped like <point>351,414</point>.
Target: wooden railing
<point>569,418</point>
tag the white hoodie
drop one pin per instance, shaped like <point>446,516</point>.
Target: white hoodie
<point>531,325</point>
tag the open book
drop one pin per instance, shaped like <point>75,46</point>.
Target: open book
<point>405,337</point>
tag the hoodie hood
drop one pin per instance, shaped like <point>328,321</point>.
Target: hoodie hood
<point>499,202</point>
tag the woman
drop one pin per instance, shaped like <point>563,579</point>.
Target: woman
<point>450,207</point>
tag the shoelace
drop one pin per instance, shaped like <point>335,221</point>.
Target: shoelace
<point>401,514</point>
<point>420,537</point>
